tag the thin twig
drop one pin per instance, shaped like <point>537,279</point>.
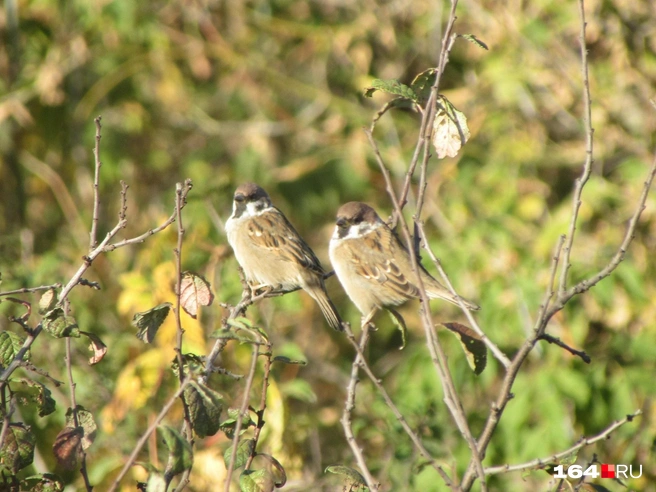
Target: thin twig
<point>474,324</point>
<point>262,408</point>
<point>76,420</point>
<point>437,354</point>
<point>348,411</point>
<point>26,290</point>
<point>93,242</point>
<point>555,458</point>
<point>397,413</point>
<point>557,341</point>
<point>187,426</point>
<point>428,115</point>
<point>244,408</point>
<point>589,157</point>
<point>146,435</point>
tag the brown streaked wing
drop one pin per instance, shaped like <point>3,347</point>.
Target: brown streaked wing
<point>273,231</point>
<point>377,258</point>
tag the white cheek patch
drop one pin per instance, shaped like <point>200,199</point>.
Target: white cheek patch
<point>253,209</point>
<point>356,231</point>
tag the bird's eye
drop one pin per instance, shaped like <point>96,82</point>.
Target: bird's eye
<point>240,198</point>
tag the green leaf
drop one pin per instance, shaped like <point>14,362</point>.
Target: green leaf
<point>256,481</point>
<point>228,425</point>
<point>17,448</point>
<point>473,39</point>
<point>391,86</point>
<point>245,449</point>
<point>10,345</point>
<point>86,422</point>
<point>205,406</point>
<point>399,322</point>
<point>43,482</point>
<point>42,397</point>
<point>472,344</point>
<point>60,325</point>
<point>195,291</point>
<point>190,362</point>
<point>181,455</point>
<point>287,360</point>
<point>231,335</point>
<point>450,130</point>
<point>240,322</point>
<point>300,389</point>
<point>354,477</point>
<point>48,301</point>
<point>423,83</point>
<point>149,321</point>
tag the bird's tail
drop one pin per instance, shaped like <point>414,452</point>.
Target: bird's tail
<point>327,307</point>
<point>438,291</point>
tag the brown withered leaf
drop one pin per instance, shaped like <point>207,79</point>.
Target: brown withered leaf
<point>68,446</point>
<point>195,291</point>
<point>97,346</point>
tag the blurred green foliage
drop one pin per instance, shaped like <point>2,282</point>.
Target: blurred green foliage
<point>223,92</point>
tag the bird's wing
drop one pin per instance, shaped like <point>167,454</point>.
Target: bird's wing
<point>378,256</point>
<point>273,232</point>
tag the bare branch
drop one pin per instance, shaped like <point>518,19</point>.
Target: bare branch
<point>560,343</point>
<point>474,324</point>
<point>350,406</point>
<point>555,458</point>
<point>589,158</point>
<point>437,354</point>
<point>397,413</point>
<point>262,406</point>
<point>187,426</point>
<point>93,242</point>
<point>146,435</point>
<point>71,387</point>
<point>27,290</point>
<point>242,411</point>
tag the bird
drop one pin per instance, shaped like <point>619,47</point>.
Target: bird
<point>374,267</point>
<point>271,253</point>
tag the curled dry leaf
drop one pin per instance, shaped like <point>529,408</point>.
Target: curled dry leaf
<point>450,131</point>
<point>195,291</point>
<point>97,346</point>
<point>48,301</point>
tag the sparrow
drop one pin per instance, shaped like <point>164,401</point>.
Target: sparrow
<point>374,267</point>
<point>270,251</point>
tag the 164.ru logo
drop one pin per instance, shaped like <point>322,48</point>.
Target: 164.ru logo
<point>607,471</point>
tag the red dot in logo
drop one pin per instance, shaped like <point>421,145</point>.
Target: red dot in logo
<point>607,471</point>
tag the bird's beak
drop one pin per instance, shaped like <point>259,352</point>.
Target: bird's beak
<point>341,222</point>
